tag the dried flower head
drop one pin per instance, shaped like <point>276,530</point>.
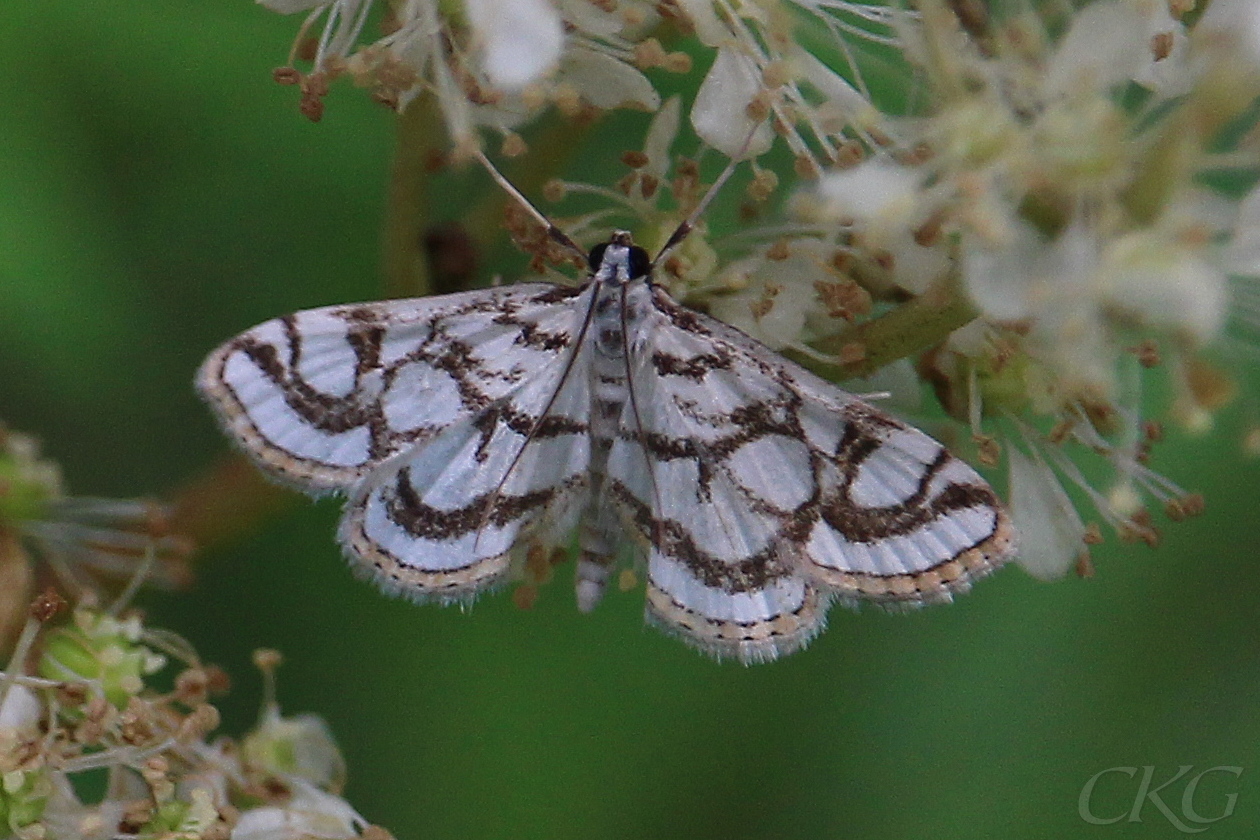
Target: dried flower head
<point>90,701</point>
<point>79,542</point>
<point>491,63</point>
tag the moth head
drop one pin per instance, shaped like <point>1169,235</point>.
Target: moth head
<point>609,259</point>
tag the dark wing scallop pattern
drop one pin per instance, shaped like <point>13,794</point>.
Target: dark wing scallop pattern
<point>460,429</point>
<point>762,492</point>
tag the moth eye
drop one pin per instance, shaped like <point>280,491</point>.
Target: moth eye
<point>597,256</point>
<point>640,262</point>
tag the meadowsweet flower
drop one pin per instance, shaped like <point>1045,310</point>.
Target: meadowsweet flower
<point>1052,535</point>
<point>23,795</point>
<point>309,813</point>
<point>761,71</point>
<point>784,291</point>
<point>659,186</point>
<point>80,541</point>
<point>1056,183</point>
<point>879,205</point>
<point>19,712</point>
<point>66,816</point>
<point>301,746</point>
<point>103,652</point>
<point>787,295</point>
<point>492,63</point>
<point>90,704</point>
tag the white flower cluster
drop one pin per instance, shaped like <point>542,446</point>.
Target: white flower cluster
<point>78,696</point>
<point>87,705</point>
<point>488,63</point>
<point>85,542</point>
<point>495,63</point>
<point>1060,177</point>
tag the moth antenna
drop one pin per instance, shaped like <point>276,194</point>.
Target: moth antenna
<point>683,230</point>
<point>556,234</point>
<point>634,410</point>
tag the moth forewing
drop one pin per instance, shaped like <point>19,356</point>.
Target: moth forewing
<point>320,397</point>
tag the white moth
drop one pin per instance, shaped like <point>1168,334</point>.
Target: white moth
<point>468,427</point>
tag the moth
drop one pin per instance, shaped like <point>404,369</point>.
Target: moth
<point>466,428</point>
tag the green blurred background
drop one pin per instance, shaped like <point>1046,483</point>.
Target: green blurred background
<point>158,193</point>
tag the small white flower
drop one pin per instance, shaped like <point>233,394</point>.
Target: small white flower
<point>776,296</point>
<point>521,40</point>
<point>299,746</point>
<point>720,112</point>
<point>491,63</point>
<point>21,709</point>
<point>1164,284</point>
<point>1243,254</point>
<point>1022,276</point>
<point>1051,533</point>
<point>310,814</point>
<point>1238,20</point>
<point>768,310</point>
<point>66,816</point>
<point>877,193</point>
<point>1107,44</point>
<point>87,538</point>
<point>885,203</point>
<point>761,71</point>
<point>607,82</point>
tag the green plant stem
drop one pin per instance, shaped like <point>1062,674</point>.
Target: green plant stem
<point>404,264</point>
<point>901,333</point>
<point>409,209</point>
